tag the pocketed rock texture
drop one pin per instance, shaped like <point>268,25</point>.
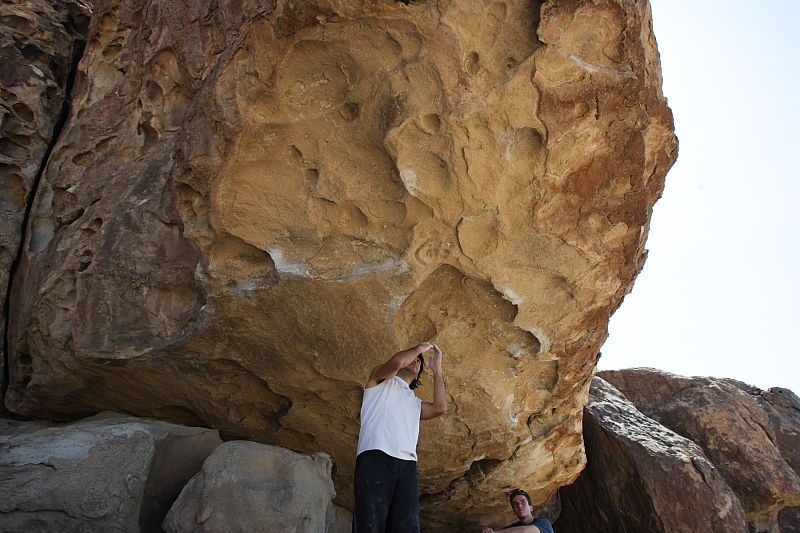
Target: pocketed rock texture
<point>254,203</point>
<point>245,486</point>
<point>40,43</point>
<point>107,473</point>
<point>751,436</point>
<point>641,476</point>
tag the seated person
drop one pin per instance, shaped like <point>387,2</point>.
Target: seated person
<point>526,522</point>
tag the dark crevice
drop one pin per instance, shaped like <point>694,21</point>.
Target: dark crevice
<point>77,53</point>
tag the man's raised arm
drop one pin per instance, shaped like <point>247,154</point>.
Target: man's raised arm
<point>395,363</point>
<point>439,405</point>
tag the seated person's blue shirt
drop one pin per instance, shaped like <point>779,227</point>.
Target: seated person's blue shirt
<point>543,524</point>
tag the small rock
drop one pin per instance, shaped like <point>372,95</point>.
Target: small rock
<point>245,486</point>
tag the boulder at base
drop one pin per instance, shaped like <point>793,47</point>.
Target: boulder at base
<point>106,473</point>
<point>245,486</point>
<point>641,476</point>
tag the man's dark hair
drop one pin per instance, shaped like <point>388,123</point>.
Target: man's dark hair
<point>415,382</point>
<point>518,492</point>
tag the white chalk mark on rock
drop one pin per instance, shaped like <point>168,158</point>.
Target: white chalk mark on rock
<point>284,266</point>
<point>624,73</point>
<point>409,178</point>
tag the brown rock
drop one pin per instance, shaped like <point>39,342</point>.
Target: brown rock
<point>783,409</point>
<point>343,521</point>
<point>40,44</point>
<point>641,476</point>
<point>245,486</point>
<point>726,418</point>
<point>107,473</point>
<point>789,520</point>
<point>281,195</point>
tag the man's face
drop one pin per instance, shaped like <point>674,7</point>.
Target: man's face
<point>519,504</point>
<point>414,366</point>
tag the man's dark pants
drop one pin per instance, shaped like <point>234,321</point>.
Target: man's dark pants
<point>386,494</point>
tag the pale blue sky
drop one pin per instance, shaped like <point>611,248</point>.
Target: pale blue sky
<point>719,293</point>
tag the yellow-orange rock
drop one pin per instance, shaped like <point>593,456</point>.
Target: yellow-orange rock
<point>273,197</point>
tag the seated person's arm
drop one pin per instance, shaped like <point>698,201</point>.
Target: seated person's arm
<point>514,529</point>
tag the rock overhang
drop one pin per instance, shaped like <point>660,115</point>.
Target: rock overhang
<point>285,203</point>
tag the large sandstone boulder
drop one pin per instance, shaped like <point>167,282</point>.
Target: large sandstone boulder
<point>255,202</point>
<point>110,473</point>
<point>245,486</point>
<point>728,420</point>
<point>641,476</point>
<point>40,44</point>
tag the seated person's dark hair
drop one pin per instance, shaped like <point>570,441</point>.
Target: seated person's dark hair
<point>519,492</point>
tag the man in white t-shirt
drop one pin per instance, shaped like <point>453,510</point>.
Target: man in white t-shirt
<point>386,494</point>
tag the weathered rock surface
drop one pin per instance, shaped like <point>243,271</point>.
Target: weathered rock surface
<point>342,522</point>
<point>783,409</point>
<point>750,435</point>
<point>40,43</point>
<point>641,476</point>
<point>255,202</point>
<point>789,520</point>
<point>245,486</point>
<point>107,473</point>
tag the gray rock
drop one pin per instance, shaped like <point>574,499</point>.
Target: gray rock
<point>107,473</point>
<point>245,486</point>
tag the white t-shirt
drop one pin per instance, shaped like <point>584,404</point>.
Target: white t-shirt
<point>390,419</point>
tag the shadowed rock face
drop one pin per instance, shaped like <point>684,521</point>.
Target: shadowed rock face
<point>254,203</point>
<point>751,436</point>
<point>40,41</point>
<point>641,476</point>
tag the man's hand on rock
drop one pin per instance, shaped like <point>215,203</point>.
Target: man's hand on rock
<point>424,347</point>
<point>487,530</point>
<point>436,360</point>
